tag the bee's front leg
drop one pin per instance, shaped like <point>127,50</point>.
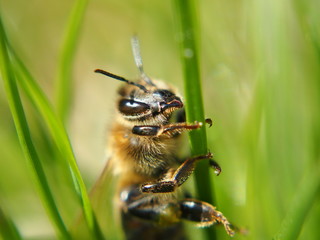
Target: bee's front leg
<point>179,176</point>
<point>169,130</point>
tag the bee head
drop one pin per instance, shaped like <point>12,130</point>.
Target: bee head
<point>144,102</point>
<point>152,106</point>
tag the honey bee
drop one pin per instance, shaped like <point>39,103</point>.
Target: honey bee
<point>143,146</point>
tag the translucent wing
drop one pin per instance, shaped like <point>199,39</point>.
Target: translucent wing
<point>101,197</point>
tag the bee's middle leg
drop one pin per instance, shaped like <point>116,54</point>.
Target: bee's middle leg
<point>178,177</point>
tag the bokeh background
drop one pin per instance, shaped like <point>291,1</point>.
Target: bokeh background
<point>260,70</point>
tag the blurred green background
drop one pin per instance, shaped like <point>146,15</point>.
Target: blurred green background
<point>260,69</point>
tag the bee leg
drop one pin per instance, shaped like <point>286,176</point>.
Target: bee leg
<point>203,213</point>
<point>209,121</point>
<point>169,130</point>
<point>178,177</point>
<point>215,166</point>
<point>159,210</point>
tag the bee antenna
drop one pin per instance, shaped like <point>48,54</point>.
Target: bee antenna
<point>121,79</point>
<point>138,59</point>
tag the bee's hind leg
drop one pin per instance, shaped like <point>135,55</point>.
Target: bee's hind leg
<point>164,212</point>
<point>204,214</point>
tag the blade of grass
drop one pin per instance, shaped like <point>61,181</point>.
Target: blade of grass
<point>306,195</point>
<point>64,78</point>
<point>60,137</point>
<point>310,26</point>
<point>8,229</point>
<point>186,28</point>
<point>25,137</point>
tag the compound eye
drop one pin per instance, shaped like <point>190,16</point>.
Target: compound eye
<point>131,107</point>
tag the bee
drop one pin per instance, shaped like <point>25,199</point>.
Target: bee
<point>143,147</point>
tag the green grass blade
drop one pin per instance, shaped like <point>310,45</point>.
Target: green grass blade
<point>64,80</point>
<point>8,229</point>
<point>194,104</point>
<point>25,138</point>
<point>60,138</point>
<point>306,196</point>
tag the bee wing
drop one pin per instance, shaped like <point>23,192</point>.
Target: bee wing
<point>102,185</point>
<point>101,198</point>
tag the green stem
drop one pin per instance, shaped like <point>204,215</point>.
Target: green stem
<point>64,78</point>
<point>8,229</point>
<point>306,196</point>
<point>60,137</point>
<point>25,137</point>
<point>193,98</point>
